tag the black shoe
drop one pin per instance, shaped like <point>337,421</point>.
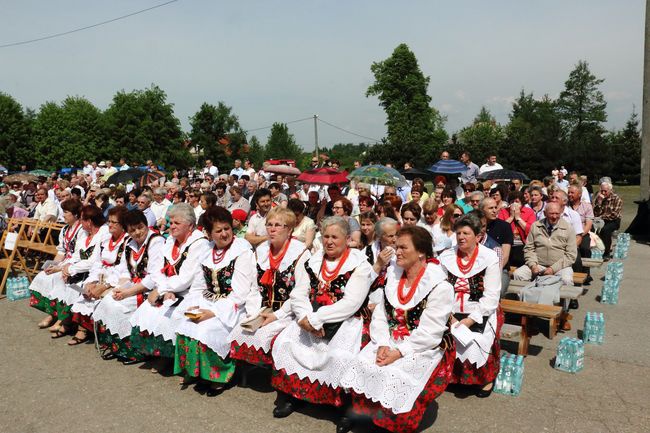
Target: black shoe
<point>214,391</point>
<point>588,280</point>
<point>344,425</point>
<point>484,393</point>
<point>131,361</point>
<point>573,304</point>
<point>108,356</point>
<point>285,408</point>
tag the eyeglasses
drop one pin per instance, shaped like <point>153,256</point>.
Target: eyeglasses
<point>113,222</point>
<point>275,226</point>
<point>337,207</point>
<point>457,215</point>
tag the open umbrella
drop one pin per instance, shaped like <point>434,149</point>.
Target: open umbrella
<point>448,166</point>
<point>323,176</point>
<point>123,177</point>
<point>150,177</point>
<point>412,173</point>
<point>503,174</point>
<point>40,172</point>
<point>281,169</point>
<point>377,175</point>
<point>20,177</point>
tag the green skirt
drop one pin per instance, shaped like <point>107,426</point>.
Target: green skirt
<point>152,345</point>
<point>42,303</point>
<point>122,348</point>
<point>195,359</point>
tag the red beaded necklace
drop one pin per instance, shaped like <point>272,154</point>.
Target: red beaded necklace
<point>470,264</point>
<point>401,297</point>
<point>327,275</point>
<point>111,245</point>
<point>217,256</point>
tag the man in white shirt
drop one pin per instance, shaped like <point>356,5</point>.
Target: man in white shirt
<point>88,169</point>
<point>210,169</point>
<point>109,170</point>
<point>46,209</point>
<point>144,204</point>
<point>256,232</point>
<point>160,205</point>
<point>561,182</point>
<point>238,170</point>
<point>123,164</point>
<point>490,165</point>
<point>568,214</point>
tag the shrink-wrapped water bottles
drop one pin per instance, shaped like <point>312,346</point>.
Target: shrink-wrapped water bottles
<point>570,355</point>
<point>594,329</point>
<point>613,277</point>
<point>511,374</point>
<point>17,288</point>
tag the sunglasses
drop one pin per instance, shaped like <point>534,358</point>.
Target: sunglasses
<point>457,215</point>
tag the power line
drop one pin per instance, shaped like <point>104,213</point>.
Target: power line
<point>13,44</point>
<point>349,132</point>
<point>286,123</point>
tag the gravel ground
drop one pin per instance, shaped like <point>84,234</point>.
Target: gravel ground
<point>48,386</point>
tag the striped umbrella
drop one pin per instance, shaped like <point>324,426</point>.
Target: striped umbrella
<point>150,177</point>
<point>448,166</point>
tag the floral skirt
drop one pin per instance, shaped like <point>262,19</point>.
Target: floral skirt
<point>466,373</point>
<point>409,421</point>
<point>304,389</point>
<point>195,359</point>
<point>153,345</point>
<point>122,348</point>
<point>42,303</point>
<point>84,321</point>
<point>250,355</point>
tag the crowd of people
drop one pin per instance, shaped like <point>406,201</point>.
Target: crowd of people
<point>365,297</point>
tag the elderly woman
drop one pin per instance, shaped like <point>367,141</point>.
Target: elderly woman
<point>500,194</point>
<point>154,322</point>
<point>103,272</point>
<point>474,271</point>
<point>342,207</point>
<point>237,200</point>
<point>521,219</point>
<point>331,326</point>
<point>76,271</point>
<point>227,291</point>
<point>407,364</point>
<point>71,237</point>
<point>383,248</point>
<point>537,203</point>
<point>277,260</point>
<point>138,272</point>
<point>430,213</point>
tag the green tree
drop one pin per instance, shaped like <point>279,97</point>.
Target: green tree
<point>16,146</point>
<point>415,129</point>
<point>581,106</point>
<point>66,134</point>
<point>282,144</point>
<point>217,135</point>
<point>255,152</point>
<point>141,125</point>
<point>482,137</point>
<point>533,136</point>
<point>626,151</point>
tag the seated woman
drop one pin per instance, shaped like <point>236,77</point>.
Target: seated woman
<point>228,284</point>
<point>277,260</point>
<point>139,272</point>
<point>407,364</point>
<point>368,236</point>
<point>305,230</point>
<point>474,271</point>
<point>447,198</point>
<point>103,273</point>
<point>154,322</point>
<point>331,326</point>
<point>411,213</point>
<point>75,273</point>
<point>443,234</point>
<point>521,219</point>
<point>71,236</point>
<point>343,208</point>
<point>430,213</point>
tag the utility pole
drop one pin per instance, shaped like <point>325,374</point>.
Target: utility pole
<point>316,132</point>
<point>645,120</point>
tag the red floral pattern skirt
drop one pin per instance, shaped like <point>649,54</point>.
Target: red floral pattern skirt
<point>84,321</point>
<point>251,355</point>
<point>466,373</point>
<point>409,421</point>
<point>304,389</point>
<point>42,303</point>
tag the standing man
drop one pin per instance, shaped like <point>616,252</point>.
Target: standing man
<point>609,207</point>
<point>561,182</point>
<point>444,155</point>
<point>256,232</point>
<point>490,165</point>
<point>210,169</point>
<point>472,172</point>
<point>123,164</point>
<point>238,170</point>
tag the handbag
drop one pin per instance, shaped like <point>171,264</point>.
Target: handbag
<point>330,328</point>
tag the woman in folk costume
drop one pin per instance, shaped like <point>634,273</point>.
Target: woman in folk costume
<point>277,261</point>
<point>154,322</point>
<point>330,305</point>
<point>42,285</point>
<point>473,270</point>
<point>139,273</point>
<point>228,292</point>
<point>103,274</point>
<point>75,273</point>
<point>410,358</point>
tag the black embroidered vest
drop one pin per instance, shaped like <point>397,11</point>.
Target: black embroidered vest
<point>475,283</point>
<point>219,282</point>
<point>140,270</point>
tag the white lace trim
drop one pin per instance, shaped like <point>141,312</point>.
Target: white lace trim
<point>478,351</point>
<point>260,339</point>
<point>115,315</point>
<point>158,321</point>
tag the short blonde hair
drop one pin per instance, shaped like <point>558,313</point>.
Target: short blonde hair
<point>283,214</point>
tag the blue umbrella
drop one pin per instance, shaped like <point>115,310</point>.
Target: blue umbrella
<point>448,166</point>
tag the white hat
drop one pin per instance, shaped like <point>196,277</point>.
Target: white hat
<point>102,164</point>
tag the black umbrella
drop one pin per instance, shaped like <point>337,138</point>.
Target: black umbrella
<point>503,174</point>
<point>123,177</point>
<point>412,173</point>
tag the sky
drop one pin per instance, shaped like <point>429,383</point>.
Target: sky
<point>279,61</point>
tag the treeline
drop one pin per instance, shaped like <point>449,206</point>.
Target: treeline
<point>138,125</point>
<point>541,134</point>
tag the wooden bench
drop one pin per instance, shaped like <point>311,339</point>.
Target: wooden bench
<point>579,278</point>
<point>528,311</point>
<point>566,292</point>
